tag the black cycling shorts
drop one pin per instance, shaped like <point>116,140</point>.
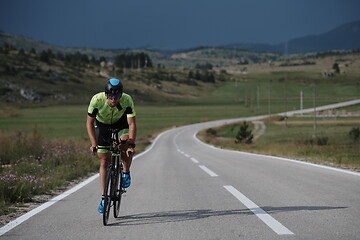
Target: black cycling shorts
<point>103,135</point>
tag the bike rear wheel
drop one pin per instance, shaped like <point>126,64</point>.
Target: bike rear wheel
<point>118,190</point>
<point>107,197</point>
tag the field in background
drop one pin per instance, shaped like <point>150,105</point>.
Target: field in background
<point>328,142</point>
<point>68,122</point>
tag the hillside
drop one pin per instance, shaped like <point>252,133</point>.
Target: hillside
<point>27,44</point>
<point>160,56</point>
<point>223,56</point>
<point>45,79</point>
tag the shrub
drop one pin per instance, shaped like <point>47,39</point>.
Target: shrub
<point>320,141</point>
<point>211,131</point>
<point>244,135</point>
<point>354,134</point>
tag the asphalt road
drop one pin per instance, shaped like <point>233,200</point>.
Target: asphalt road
<point>185,189</point>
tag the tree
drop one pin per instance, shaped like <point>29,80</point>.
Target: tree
<point>244,135</point>
<point>354,134</point>
<point>191,74</point>
<point>102,59</point>
<point>336,68</point>
<point>140,60</point>
<point>45,57</point>
<point>207,77</point>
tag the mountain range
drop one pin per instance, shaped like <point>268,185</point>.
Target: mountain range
<point>343,37</point>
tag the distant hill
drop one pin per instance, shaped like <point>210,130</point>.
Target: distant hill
<point>25,43</point>
<point>224,56</point>
<point>159,55</point>
<point>344,37</point>
<point>28,77</point>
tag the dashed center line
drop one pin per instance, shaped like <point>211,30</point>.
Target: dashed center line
<point>208,171</point>
<point>271,222</point>
<point>259,212</point>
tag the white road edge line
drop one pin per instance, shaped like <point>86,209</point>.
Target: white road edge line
<point>56,199</point>
<point>276,226</point>
<point>208,171</point>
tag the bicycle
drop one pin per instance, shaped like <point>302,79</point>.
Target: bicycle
<point>113,190</point>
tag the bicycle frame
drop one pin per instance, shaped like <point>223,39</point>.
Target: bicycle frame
<point>113,189</point>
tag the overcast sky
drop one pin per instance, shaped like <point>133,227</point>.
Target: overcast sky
<point>172,23</point>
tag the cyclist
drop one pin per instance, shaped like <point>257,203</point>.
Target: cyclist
<point>112,109</point>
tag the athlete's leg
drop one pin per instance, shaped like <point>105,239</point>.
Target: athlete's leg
<point>125,159</point>
<point>104,164</point>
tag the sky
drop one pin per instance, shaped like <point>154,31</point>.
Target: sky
<point>174,24</point>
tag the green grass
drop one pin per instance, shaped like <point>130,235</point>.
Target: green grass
<point>32,165</point>
<point>245,97</point>
<point>50,122</point>
<point>274,95</point>
<point>69,121</point>
<point>295,138</point>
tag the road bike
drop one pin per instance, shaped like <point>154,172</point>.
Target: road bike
<point>113,190</point>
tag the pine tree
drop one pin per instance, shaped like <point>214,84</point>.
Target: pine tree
<point>244,135</point>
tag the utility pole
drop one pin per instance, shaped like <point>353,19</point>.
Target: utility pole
<point>258,96</point>
<point>245,94</point>
<point>285,87</point>
<point>301,102</point>
<point>285,102</point>
<point>269,98</point>
<point>314,104</point>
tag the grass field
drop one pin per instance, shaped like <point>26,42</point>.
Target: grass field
<point>329,144</point>
<point>69,121</point>
<point>256,94</point>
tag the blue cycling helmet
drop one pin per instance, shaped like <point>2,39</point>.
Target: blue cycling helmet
<point>114,87</point>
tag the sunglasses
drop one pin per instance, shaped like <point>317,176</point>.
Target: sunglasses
<point>114,96</point>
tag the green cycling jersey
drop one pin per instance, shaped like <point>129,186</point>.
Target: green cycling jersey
<point>105,114</point>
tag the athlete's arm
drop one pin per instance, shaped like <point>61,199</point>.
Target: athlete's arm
<point>132,134</point>
<point>132,129</point>
<point>90,126</point>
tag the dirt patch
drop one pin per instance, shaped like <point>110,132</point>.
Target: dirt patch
<point>318,122</point>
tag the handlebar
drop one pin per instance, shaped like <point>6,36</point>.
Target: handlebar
<point>114,141</point>
<point>94,150</point>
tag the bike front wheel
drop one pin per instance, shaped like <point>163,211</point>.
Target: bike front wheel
<point>107,198</point>
<point>117,188</point>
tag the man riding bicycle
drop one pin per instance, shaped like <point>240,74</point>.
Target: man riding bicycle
<point>112,109</point>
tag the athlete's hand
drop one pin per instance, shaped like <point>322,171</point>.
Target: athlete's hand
<point>93,149</point>
<point>130,151</point>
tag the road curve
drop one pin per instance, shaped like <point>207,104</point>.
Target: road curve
<point>185,189</point>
